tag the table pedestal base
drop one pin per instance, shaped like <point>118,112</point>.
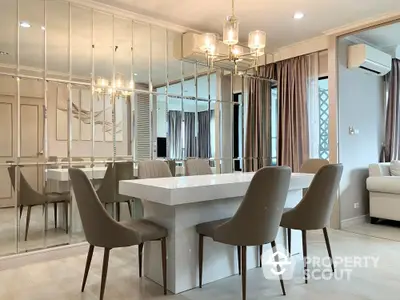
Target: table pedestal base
<point>220,261</point>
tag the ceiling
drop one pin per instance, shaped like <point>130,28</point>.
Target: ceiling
<point>274,17</point>
<point>385,38</point>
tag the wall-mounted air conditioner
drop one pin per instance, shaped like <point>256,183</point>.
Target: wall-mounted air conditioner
<point>187,47</point>
<point>369,59</point>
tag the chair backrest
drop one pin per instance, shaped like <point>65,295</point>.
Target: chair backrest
<point>154,169</point>
<point>197,167</point>
<point>172,166</point>
<point>313,165</point>
<point>100,229</point>
<point>107,190</point>
<point>27,195</point>
<point>315,209</point>
<point>257,220</point>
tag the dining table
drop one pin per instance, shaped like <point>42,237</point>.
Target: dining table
<point>180,203</point>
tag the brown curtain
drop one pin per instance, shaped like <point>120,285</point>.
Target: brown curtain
<point>293,136</point>
<point>391,149</point>
<point>258,127</point>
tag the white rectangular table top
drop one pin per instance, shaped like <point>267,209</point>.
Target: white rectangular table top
<point>62,174</point>
<point>191,189</point>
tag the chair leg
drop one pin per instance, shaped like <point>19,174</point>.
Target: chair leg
<point>130,208</point>
<point>66,216</point>
<point>304,239</point>
<point>140,258</point>
<point>328,247</point>
<point>88,262</point>
<point>164,262</point>
<point>201,244</point>
<point>28,219</point>
<point>278,267</point>
<point>55,214</point>
<point>260,254</point>
<point>21,208</point>
<point>244,271</point>
<point>104,272</point>
<point>118,211</point>
<point>239,259</point>
<point>289,234</point>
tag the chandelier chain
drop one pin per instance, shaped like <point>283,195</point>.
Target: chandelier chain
<point>233,8</point>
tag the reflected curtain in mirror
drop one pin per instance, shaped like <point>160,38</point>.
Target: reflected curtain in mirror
<point>204,133</point>
<point>190,134</point>
<point>174,138</point>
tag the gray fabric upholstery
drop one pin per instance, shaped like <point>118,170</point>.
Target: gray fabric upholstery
<point>256,222</point>
<point>154,169</point>
<point>314,210</point>
<point>123,171</point>
<point>197,167</point>
<point>107,190</point>
<point>30,197</point>
<point>313,165</point>
<point>100,229</point>
<point>208,228</point>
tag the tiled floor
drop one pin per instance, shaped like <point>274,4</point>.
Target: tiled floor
<point>61,279</point>
<point>384,229</point>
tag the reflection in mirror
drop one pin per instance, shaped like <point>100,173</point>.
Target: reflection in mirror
<point>57,38</point>
<point>161,125</point>
<point>174,65</point>
<point>141,56</point>
<point>158,56</point>
<point>31,37</point>
<point>175,128</point>
<point>103,49</point>
<point>8,38</point>
<point>123,53</point>
<point>81,43</point>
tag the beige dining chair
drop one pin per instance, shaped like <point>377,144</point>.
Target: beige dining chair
<point>197,166</point>
<point>103,231</point>
<point>151,169</point>
<point>256,222</point>
<point>28,197</point>
<point>314,211</point>
<point>108,190</point>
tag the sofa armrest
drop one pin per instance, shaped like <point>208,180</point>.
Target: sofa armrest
<point>384,184</point>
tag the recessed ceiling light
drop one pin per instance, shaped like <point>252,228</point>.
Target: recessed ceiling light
<point>43,28</point>
<point>134,74</point>
<point>25,24</point>
<point>298,15</point>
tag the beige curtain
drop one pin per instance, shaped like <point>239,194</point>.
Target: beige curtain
<point>258,125</point>
<point>392,132</point>
<point>293,134</point>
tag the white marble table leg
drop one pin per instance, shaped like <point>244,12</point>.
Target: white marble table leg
<point>220,260</point>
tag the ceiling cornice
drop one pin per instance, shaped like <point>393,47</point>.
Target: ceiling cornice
<point>132,15</point>
<point>363,24</point>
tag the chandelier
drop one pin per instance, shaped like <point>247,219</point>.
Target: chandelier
<point>256,43</point>
<point>118,88</point>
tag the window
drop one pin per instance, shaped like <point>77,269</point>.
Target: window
<point>323,118</point>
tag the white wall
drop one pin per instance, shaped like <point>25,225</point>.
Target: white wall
<point>361,104</point>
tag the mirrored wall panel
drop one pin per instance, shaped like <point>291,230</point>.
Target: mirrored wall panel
<point>88,89</point>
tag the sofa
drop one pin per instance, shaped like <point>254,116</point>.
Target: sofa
<point>384,192</point>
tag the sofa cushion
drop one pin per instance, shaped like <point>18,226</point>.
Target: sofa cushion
<point>395,168</point>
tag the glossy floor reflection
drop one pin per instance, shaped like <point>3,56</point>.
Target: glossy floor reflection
<point>61,278</point>
<point>384,229</point>
<point>37,238</point>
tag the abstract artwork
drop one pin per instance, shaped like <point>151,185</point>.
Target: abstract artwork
<point>82,116</point>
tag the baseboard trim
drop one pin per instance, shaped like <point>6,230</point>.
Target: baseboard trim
<point>354,221</point>
<point>26,258</point>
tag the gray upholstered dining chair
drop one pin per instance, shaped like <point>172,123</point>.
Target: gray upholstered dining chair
<point>108,190</point>
<point>312,165</point>
<point>103,231</point>
<point>197,166</point>
<point>151,169</point>
<point>256,222</point>
<point>154,169</point>
<point>315,209</point>
<point>28,197</point>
